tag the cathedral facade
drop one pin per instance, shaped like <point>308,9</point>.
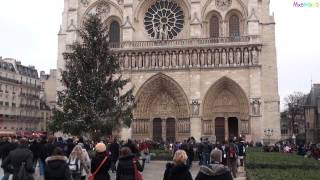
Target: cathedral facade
<point>201,68</point>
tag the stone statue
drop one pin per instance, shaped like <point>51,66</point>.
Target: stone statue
<point>153,60</point>
<point>174,59</point>
<point>195,59</point>
<point>224,58</point>
<point>255,59</point>
<point>180,59</point>
<point>230,57</point>
<point>246,57</point>
<point>256,107</point>
<point>217,58</point>
<point>209,58</point>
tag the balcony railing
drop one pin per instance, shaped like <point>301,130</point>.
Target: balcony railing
<point>186,42</point>
<point>222,52</point>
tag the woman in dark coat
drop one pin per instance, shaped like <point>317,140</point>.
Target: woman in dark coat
<point>127,164</point>
<point>57,167</point>
<point>178,170</point>
<point>101,154</point>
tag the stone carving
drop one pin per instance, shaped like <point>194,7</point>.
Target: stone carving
<point>223,4</point>
<point>195,105</point>
<point>189,58</point>
<point>85,2</point>
<point>244,127</point>
<point>255,107</point>
<point>102,9</point>
<point>72,26</point>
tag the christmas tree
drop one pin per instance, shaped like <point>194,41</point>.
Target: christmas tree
<point>94,100</point>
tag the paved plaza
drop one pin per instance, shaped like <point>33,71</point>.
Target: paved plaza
<point>152,171</point>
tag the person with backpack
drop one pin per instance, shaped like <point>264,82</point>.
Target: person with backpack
<point>100,164</point>
<point>129,167</point>
<point>21,159</point>
<point>232,155</point>
<point>77,163</point>
<point>5,149</point>
<point>57,166</point>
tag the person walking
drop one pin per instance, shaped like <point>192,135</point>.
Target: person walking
<point>114,150</point>
<point>20,158</point>
<point>206,149</point>
<point>78,163</point>
<point>128,167</point>
<point>5,149</point>
<point>232,156</point>
<point>178,170</point>
<point>56,166</point>
<point>100,163</point>
<point>215,170</point>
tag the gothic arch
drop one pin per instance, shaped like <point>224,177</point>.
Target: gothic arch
<point>207,3</point>
<point>164,92</point>
<point>241,18</point>
<point>207,22</point>
<point>225,98</point>
<point>112,5</point>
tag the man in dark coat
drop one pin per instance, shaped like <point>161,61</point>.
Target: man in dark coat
<point>114,149</point>
<point>18,156</point>
<point>215,170</point>
<point>5,149</point>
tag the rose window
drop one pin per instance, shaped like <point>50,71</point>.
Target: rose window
<point>164,20</point>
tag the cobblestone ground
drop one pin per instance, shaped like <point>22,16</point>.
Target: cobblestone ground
<point>152,171</point>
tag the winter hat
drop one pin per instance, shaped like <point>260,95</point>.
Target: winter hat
<point>216,155</point>
<point>100,147</point>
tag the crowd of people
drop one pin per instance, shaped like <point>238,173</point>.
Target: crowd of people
<point>77,159</point>
<point>308,150</point>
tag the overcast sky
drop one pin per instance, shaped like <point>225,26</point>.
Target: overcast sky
<point>28,32</point>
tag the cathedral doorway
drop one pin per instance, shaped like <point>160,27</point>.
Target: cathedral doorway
<point>233,127</point>
<point>220,129</point>
<point>157,129</point>
<point>171,130</point>
<point>227,105</point>
<point>161,100</point>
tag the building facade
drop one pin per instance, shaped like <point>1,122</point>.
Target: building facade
<point>200,68</point>
<point>48,95</point>
<point>19,97</point>
<point>312,115</point>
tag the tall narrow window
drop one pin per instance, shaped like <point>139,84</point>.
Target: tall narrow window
<point>114,32</point>
<point>234,26</point>
<point>214,26</point>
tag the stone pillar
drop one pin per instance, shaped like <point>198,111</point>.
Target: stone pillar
<point>195,24</point>
<point>164,129</point>
<point>196,127</point>
<point>127,26</point>
<point>226,129</point>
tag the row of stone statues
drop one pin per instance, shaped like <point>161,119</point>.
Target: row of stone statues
<point>189,58</point>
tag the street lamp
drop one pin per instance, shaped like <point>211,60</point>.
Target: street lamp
<point>268,132</point>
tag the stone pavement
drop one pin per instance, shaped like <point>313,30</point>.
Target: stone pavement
<point>152,171</point>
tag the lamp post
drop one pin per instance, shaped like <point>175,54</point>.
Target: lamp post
<point>268,132</point>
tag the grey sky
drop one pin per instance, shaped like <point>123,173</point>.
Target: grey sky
<point>28,32</point>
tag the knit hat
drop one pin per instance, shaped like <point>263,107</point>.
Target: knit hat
<point>100,147</point>
<point>216,155</point>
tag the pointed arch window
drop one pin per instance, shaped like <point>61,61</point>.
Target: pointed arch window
<point>214,26</point>
<point>114,32</point>
<point>234,26</point>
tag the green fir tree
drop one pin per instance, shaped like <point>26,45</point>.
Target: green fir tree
<point>93,100</point>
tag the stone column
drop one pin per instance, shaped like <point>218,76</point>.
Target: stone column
<point>226,129</point>
<point>164,129</point>
<point>196,127</point>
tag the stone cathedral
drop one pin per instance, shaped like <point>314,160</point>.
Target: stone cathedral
<point>201,68</point>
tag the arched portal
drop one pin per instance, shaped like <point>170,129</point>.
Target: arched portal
<point>161,98</point>
<point>226,110</point>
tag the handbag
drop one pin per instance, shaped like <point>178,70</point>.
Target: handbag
<point>137,174</point>
<point>97,170</point>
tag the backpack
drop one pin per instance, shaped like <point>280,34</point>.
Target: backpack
<point>232,153</point>
<point>74,166</point>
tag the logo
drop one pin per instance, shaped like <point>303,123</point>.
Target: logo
<point>306,4</point>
